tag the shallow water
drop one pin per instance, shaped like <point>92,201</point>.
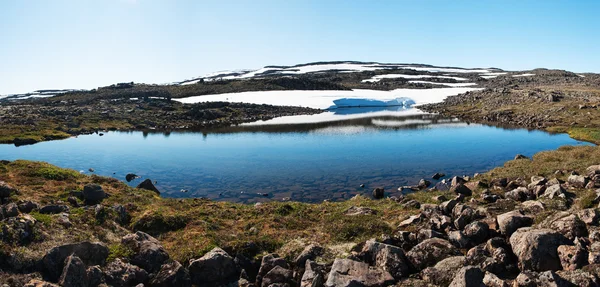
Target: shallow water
<point>306,162</point>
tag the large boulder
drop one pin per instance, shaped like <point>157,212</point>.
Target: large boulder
<point>314,274</point>
<point>310,252</point>
<point>214,268</point>
<point>74,274</point>
<point>443,272</point>
<point>347,273</point>
<point>278,275</point>
<point>387,257</point>
<point>468,276</point>
<point>477,232</point>
<point>93,194</point>
<point>148,253</point>
<point>511,221</point>
<point>148,185</point>
<point>90,253</point>
<point>171,274</point>
<point>121,274</point>
<point>536,249</point>
<point>577,181</point>
<point>6,190</point>
<point>269,262</point>
<point>555,191</point>
<point>431,251</point>
<point>572,256</point>
<point>570,226</point>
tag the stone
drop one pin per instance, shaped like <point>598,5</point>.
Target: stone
<point>74,273</point>
<point>517,194</point>
<point>468,276</point>
<point>500,182</point>
<point>310,252</point>
<point>440,222</point>
<point>360,210</point>
<point>90,253</point>
<point>447,206</point>
<point>412,204</point>
<point>458,239</point>
<point>572,256</point>
<point>386,257</point>
<point>171,274</point>
<point>520,156</point>
<point>538,180</point>
<point>121,274</point>
<point>463,216</point>
<point>6,190</point>
<point>461,189</point>
<point>27,206</point>
<point>148,253</point>
<point>589,216</point>
<point>431,251</point>
<point>215,267</point>
<point>39,283</point>
<point>423,184</point>
<point>269,262</point>
<point>278,275</point>
<point>95,276</point>
<point>349,273</point>
<point>594,253</point>
<point>438,175</point>
<point>491,280</point>
<point>533,206</point>
<point>511,221</point>
<point>54,209</point>
<point>313,275</point>
<point>443,272</point>
<point>11,210</point>
<point>536,249</point>
<point>93,194</point>
<point>477,232</point>
<point>457,180</point>
<point>130,176</point>
<point>534,279</point>
<point>570,226</point>
<point>578,181</point>
<point>579,278</point>
<point>148,185</point>
<point>411,220</point>
<point>554,191</point>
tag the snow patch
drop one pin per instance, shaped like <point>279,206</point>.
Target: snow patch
<point>492,75</point>
<point>393,76</point>
<point>523,75</point>
<point>444,84</point>
<point>331,116</point>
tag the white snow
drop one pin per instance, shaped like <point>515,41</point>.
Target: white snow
<point>583,76</point>
<point>324,99</point>
<point>444,84</point>
<point>357,102</point>
<point>492,75</point>
<point>393,76</point>
<point>523,75</point>
<point>332,117</point>
<point>446,70</point>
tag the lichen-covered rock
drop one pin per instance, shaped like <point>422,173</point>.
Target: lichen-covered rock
<point>443,272</point>
<point>39,283</point>
<point>491,280</point>
<point>431,251</point>
<point>347,273</point>
<point>477,232</point>
<point>171,274</point>
<point>90,253</point>
<point>310,252</point>
<point>314,275</point>
<point>215,267</point>
<point>269,262</point>
<point>387,257</point>
<point>511,221</point>
<point>590,216</point>
<point>570,226</point>
<point>536,249</point>
<point>6,190</point>
<point>572,256</point>
<point>148,253</point>
<point>468,276</point>
<point>74,274</point>
<point>278,275</point>
<point>121,274</point>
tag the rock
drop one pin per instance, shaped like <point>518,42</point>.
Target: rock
<point>517,194</point>
<point>533,206</point>
<point>6,190</point>
<point>278,275</point>
<point>310,252</point>
<point>443,272</point>
<point>538,180</point>
<point>27,206</point>
<point>461,189</point>
<point>93,194</point>
<point>413,219</point>
<point>412,204</point>
<point>440,222</point>
<point>95,276</point>
<point>39,283</point>
<point>378,193</point>
<point>74,273</point>
<point>354,210</point>
<point>447,206</point>
<point>477,232</point>
<point>594,253</point>
<point>386,257</point>
<point>500,182</point>
<point>458,239</point>
<point>520,156</point>
<point>536,249</point>
<point>10,210</point>
<point>424,234</point>
<point>438,175</point>
<point>579,278</point>
<point>171,274</point>
<point>54,209</point>
<point>570,226</point>
<point>511,221</point>
<point>423,184</point>
<point>123,217</point>
<point>463,215</point>
<point>589,216</point>
<point>577,181</point>
<point>215,267</point>
<point>572,256</point>
<point>121,274</point>
<point>442,185</point>
<point>544,279</point>
<point>313,275</point>
<point>73,201</point>
<point>348,273</point>
<point>553,191</point>
<point>148,185</point>
<point>491,280</point>
<point>457,180</point>
<point>63,219</point>
<point>90,253</point>
<point>431,251</point>
<point>269,262</point>
<point>148,252</point>
<point>439,198</point>
<point>130,176</point>
<point>468,276</point>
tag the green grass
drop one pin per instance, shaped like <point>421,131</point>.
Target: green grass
<point>54,173</point>
<point>118,251</point>
<point>46,219</point>
<point>585,134</point>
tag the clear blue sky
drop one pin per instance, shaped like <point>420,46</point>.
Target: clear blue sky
<point>85,44</point>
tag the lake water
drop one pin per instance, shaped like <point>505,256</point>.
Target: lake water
<point>305,162</point>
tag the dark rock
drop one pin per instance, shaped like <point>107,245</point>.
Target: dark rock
<point>572,256</point>
<point>148,185</point>
<point>349,273</point>
<point>431,251</point>
<point>314,275</point>
<point>90,253</point>
<point>520,156</point>
<point>7,190</point>
<point>386,257</point>
<point>28,206</point>
<point>511,221</point>
<point>214,268</point>
<point>95,276</point>
<point>443,272</point>
<point>73,201</point>
<point>171,274</point>
<point>269,262</point>
<point>458,239</point>
<point>378,193</point>
<point>54,209</point>
<point>477,232</point>
<point>121,274</point>
<point>310,252</point>
<point>438,176</point>
<point>148,252</point>
<point>278,275</point>
<point>74,273</point>
<point>500,182</point>
<point>570,226</point>
<point>130,176</point>
<point>93,194</point>
<point>461,189</point>
<point>423,184</point>
<point>468,276</point>
<point>10,210</point>
<point>536,249</point>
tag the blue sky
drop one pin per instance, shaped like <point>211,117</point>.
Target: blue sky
<point>86,44</point>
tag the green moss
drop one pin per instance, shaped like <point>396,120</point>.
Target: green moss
<point>585,134</point>
<point>46,219</point>
<point>55,173</point>
<point>118,251</point>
